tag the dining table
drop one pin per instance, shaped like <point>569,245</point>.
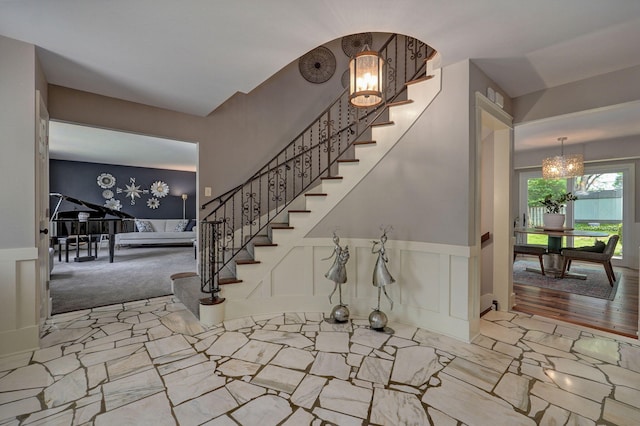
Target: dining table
<point>553,263</point>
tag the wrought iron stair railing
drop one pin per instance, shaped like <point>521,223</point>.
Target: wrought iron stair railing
<point>245,211</point>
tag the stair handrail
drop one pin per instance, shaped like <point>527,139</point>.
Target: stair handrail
<point>316,119</point>
<point>257,174</point>
<point>218,234</point>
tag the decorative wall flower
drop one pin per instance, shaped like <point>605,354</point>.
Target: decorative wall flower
<point>153,203</point>
<point>107,193</point>
<point>159,189</point>
<point>114,204</point>
<point>106,180</point>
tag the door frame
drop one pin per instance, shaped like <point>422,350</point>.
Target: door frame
<point>491,118</point>
<point>43,298</point>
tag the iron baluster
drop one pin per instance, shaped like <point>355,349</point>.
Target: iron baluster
<point>225,234</point>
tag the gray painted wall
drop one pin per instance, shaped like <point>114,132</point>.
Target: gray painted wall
<point>425,186</point>
<point>17,137</point>
<point>421,187</point>
<point>235,139</point>
<point>608,89</point>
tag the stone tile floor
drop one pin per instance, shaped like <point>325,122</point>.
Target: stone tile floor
<point>151,363</point>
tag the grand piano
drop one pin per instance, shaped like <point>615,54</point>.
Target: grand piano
<point>97,220</point>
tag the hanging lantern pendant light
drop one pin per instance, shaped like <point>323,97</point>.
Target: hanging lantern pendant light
<point>366,79</point>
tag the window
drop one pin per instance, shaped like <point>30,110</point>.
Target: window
<point>605,197</point>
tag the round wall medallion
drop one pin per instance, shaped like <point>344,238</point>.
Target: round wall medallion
<point>159,189</point>
<point>153,203</point>
<point>345,79</point>
<point>354,43</point>
<point>106,180</point>
<point>318,65</point>
<point>114,204</point>
<point>107,193</point>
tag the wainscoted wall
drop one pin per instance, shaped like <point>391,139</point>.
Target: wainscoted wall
<point>79,180</point>
<point>18,300</point>
<point>431,289</point>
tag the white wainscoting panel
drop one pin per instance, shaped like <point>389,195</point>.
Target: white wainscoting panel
<point>419,275</point>
<point>19,329</point>
<point>288,278</point>
<point>434,286</point>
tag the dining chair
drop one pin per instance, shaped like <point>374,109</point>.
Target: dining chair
<point>603,258</point>
<point>530,249</point>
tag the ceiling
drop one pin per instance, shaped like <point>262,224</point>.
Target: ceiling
<point>192,55</point>
<point>611,122</point>
<point>73,142</point>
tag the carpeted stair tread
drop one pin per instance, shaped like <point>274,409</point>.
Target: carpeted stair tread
<point>183,275</point>
<point>419,80</point>
<point>230,280</point>
<point>397,103</point>
<point>282,227</point>
<point>247,262</point>
<point>265,244</point>
<point>382,123</point>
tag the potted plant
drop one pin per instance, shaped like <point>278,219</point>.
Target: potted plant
<point>553,219</point>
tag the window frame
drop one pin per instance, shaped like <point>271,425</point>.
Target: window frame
<point>628,199</point>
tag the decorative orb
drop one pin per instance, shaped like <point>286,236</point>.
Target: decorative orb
<point>340,313</point>
<point>377,320</point>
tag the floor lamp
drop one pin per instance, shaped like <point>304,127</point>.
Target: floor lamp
<point>184,201</point>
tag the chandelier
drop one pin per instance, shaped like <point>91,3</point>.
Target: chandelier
<point>365,78</point>
<point>562,166</point>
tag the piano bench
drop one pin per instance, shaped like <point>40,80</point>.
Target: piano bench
<point>75,239</point>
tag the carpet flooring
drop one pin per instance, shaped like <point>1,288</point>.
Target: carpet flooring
<point>596,284</point>
<point>137,273</point>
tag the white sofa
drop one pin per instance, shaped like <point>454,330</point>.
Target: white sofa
<point>163,232</point>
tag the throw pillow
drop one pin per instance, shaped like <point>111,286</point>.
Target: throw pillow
<point>144,226</point>
<point>190,225</point>
<point>181,225</point>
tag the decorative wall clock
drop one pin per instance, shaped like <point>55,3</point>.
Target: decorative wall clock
<point>354,43</point>
<point>106,180</point>
<point>159,189</point>
<point>318,65</point>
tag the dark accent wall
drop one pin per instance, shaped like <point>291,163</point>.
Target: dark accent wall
<point>79,180</point>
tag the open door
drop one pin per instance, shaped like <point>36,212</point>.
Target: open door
<point>42,209</point>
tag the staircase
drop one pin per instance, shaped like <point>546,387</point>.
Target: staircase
<point>256,224</point>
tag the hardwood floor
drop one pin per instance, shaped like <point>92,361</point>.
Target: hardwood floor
<point>618,316</point>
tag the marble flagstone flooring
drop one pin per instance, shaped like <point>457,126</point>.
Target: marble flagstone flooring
<point>151,363</point>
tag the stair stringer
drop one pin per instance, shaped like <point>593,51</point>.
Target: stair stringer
<point>250,296</point>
